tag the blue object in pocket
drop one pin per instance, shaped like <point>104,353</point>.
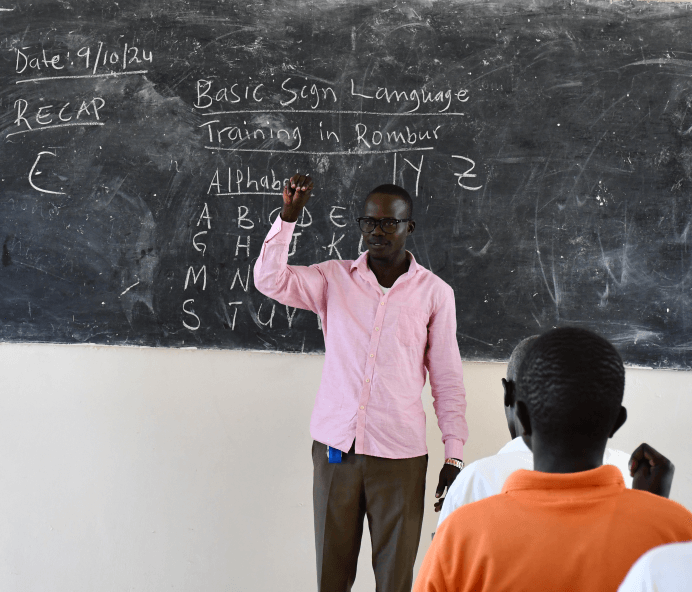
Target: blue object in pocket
<point>334,454</point>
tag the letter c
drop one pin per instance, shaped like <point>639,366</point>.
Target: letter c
<point>31,174</point>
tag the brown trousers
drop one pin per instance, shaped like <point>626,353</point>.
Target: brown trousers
<point>391,493</point>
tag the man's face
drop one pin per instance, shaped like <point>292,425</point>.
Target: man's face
<point>381,245</point>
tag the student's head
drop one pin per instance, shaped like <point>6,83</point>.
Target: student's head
<point>569,391</point>
<point>510,384</point>
<point>387,202</point>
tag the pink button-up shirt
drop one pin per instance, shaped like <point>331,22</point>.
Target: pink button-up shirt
<point>378,347</point>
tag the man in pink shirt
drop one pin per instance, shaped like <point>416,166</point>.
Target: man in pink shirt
<point>386,322</point>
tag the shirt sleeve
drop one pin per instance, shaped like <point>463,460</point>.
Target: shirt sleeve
<point>455,496</point>
<point>666,567</point>
<point>292,285</point>
<point>431,575</point>
<point>457,559</point>
<point>638,578</point>
<point>437,572</point>
<point>443,361</point>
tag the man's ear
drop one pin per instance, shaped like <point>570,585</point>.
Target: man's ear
<point>523,415</point>
<point>411,227</point>
<point>622,418</point>
<point>509,392</point>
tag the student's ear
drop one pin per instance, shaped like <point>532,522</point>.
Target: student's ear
<point>622,418</point>
<point>411,226</point>
<point>508,385</point>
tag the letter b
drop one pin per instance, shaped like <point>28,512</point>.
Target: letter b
<point>243,220</point>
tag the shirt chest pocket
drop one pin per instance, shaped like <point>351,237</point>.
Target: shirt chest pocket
<point>412,327</point>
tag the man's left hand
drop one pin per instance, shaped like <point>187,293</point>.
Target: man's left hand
<point>447,476</point>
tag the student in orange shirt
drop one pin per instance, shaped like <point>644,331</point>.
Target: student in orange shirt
<point>570,524</point>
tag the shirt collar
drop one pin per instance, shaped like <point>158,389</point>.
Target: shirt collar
<point>515,445</point>
<point>361,264</point>
<point>605,476</point>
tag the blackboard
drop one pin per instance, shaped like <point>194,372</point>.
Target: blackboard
<point>143,145</point>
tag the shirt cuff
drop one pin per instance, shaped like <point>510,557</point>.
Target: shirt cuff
<point>454,449</point>
<point>281,231</point>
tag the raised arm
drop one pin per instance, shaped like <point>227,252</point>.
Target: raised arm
<point>293,285</point>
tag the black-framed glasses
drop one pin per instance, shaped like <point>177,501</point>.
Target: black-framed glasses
<point>388,225</point>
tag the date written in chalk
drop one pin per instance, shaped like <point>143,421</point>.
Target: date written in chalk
<point>85,57</point>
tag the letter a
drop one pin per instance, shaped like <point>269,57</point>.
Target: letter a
<point>215,183</point>
<point>205,216</point>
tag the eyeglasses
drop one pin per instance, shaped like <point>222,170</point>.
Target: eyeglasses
<point>388,225</point>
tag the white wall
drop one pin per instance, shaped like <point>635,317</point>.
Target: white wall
<point>158,469</point>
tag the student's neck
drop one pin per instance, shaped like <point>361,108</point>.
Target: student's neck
<point>553,458</point>
<point>387,271</point>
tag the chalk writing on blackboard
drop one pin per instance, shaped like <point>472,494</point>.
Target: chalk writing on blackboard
<point>294,122</point>
<point>547,150</point>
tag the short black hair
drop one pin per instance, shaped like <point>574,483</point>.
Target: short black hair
<point>391,189</point>
<point>572,382</point>
<point>517,356</point>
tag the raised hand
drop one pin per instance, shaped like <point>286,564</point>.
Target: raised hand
<point>296,194</point>
<point>651,471</point>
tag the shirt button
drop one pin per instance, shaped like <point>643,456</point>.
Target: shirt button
<point>362,407</point>
<point>377,328</point>
<point>367,380</point>
<point>381,303</point>
<point>372,355</point>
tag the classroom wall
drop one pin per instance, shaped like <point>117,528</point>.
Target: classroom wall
<point>158,469</point>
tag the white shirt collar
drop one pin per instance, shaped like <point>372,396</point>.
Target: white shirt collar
<point>516,445</point>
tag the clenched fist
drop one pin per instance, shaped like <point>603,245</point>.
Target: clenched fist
<point>296,195</point>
